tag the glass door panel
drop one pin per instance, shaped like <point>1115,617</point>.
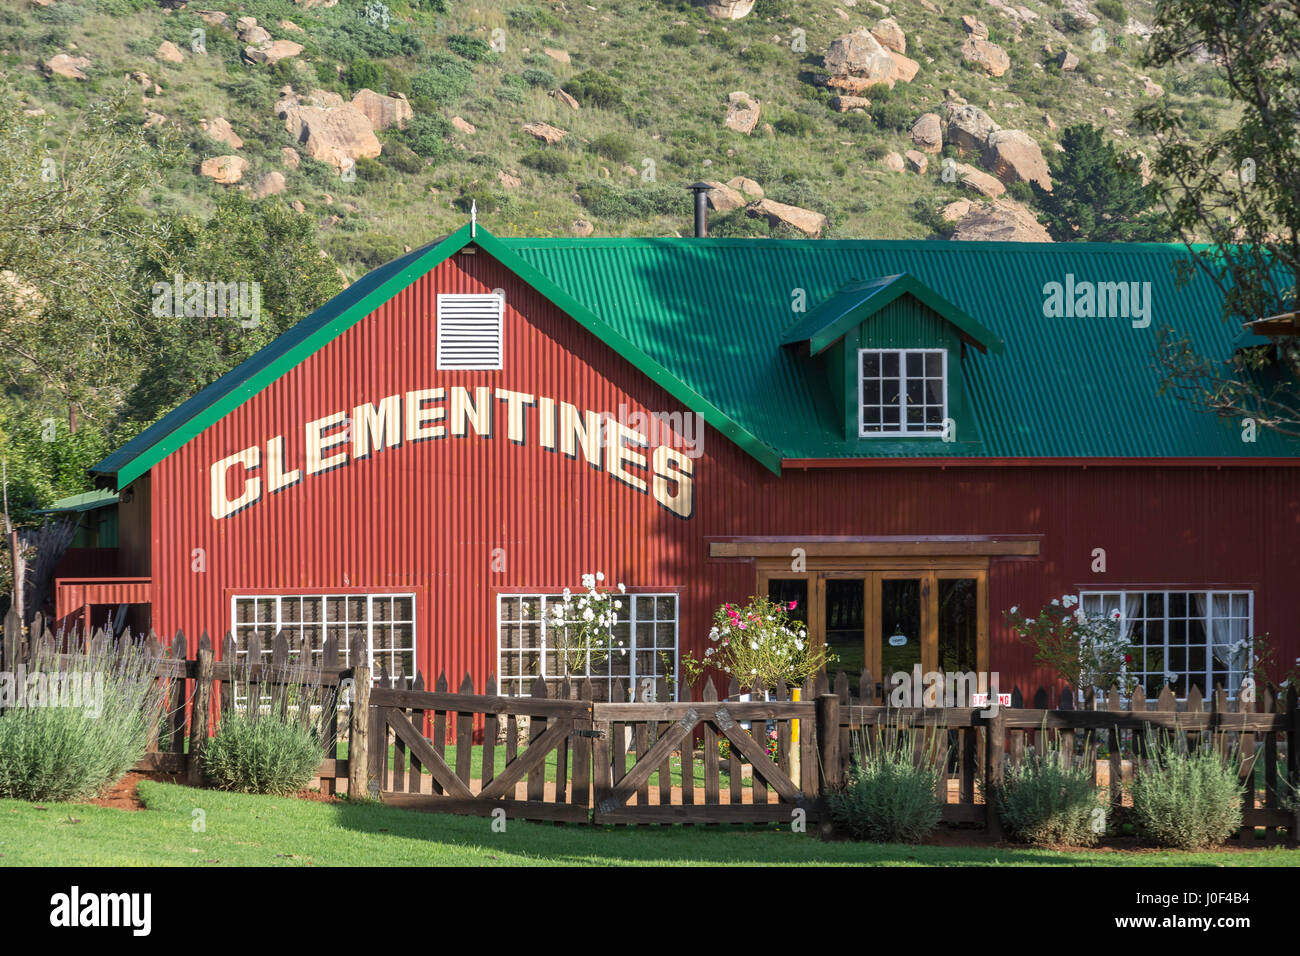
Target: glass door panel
<point>845,628</point>
<point>900,627</point>
<point>785,590</point>
<point>958,625</point>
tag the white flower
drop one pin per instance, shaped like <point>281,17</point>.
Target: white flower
<point>803,633</point>
<point>588,615</point>
<point>708,652</point>
<point>1015,608</point>
<point>753,670</point>
<point>621,588</point>
<point>600,575</point>
<point>753,645</point>
<point>1055,603</point>
<point>713,634</point>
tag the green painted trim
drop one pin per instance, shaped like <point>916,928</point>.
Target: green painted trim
<point>904,284</point>
<point>748,442</point>
<point>307,347</point>
<point>420,267</point>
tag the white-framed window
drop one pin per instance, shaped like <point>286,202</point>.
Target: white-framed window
<point>470,331</point>
<point>902,391</point>
<point>646,626</point>
<point>385,622</point>
<point>1183,638</point>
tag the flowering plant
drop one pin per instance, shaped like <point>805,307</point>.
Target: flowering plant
<point>582,626</point>
<point>759,643</point>
<point>1085,651</point>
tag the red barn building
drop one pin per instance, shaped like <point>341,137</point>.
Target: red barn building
<point>907,438</point>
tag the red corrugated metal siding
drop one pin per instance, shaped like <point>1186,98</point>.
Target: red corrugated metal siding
<point>428,516</point>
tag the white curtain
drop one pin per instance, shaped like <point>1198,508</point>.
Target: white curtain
<point>1228,639</point>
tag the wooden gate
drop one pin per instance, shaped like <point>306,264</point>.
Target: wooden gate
<point>465,778</point>
<point>652,735</point>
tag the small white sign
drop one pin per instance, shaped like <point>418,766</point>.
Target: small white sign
<point>982,700</point>
<point>897,640</point>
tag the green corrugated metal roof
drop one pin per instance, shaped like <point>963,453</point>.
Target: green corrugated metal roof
<point>856,300</point>
<point>706,318</point>
<point>86,501</point>
<point>714,311</point>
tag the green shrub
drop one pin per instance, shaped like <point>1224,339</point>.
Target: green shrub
<point>762,54</point>
<point>470,47</point>
<point>1049,799</point>
<point>681,35</point>
<point>535,77</point>
<point>738,225</point>
<point>370,170</point>
<point>100,726</point>
<point>427,136</point>
<point>532,19</point>
<point>353,38</point>
<point>593,88</point>
<point>364,74</point>
<point>796,124</point>
<point>1113,10</point>
<point>891,793</point>
<point>1186,799</point>
<point>445,81</point>
<point>893,115</point>
<point>613,146</point>
<point>547,161</point>
<point>261,754</point>
<point>401,158</point>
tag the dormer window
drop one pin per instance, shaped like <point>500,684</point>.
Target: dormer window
<point>902,392</point>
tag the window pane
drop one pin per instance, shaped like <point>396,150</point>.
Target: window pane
<point>934,364</point>
<point>889,364</point>
<point>870,364</point>
<point>915,364</point>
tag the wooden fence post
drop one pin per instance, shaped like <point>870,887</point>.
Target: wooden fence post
<point>1293,762</point>
<point>358,730</point>
<point>994,756</point>
<point>199,713</point>
<point>831,773</point>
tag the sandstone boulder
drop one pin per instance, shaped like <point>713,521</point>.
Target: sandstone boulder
<point>1003,220</point>
<point>508,181</point>
<point>978,181</point>
<point>916,161</point>
<point>805,220</point>
<point>464,125</point>
<point>927,133</point>
<point>890,35</point>
<point>905,68</point>
<point>859,54</point>
<point>269,184</point>
<point>272,52</point>
<point>956,210</point>
<point>743,112</point>
<point>383,111</point>
<point>545,132</point>
<point>969,127</point>
<point>220,130</point>
<point>289,156</point>
<point>974,27</point>
<point>71,67</point>
<point>1077,15</point>
<point>1014,157</point>
<point>168,52</point>
<point>893,162</point>
<point>581,227</point>
<point>988,56</point>
<point>747,186</point>
<point>728,9</point>
<point>723,198</point>
<point>842,104</point>
<point>566,99</point>
<point>226,170</point>
<point>338,135</point>
<point>213,18</point>
<point>559,56</point>
<point>1067,61</point>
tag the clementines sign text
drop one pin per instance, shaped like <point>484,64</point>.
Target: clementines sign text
<point>605,443</point>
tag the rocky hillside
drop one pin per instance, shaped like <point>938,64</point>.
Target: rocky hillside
<point>830,118</point>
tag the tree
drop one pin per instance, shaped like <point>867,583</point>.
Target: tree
<point>1237,195</point>
<point>1098,194</point>
<point>71,231</point>
<point>266,253</point>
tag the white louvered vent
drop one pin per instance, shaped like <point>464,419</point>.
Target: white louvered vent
<point>469,331</point>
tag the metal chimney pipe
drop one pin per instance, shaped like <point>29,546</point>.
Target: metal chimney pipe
<point>701,209</point>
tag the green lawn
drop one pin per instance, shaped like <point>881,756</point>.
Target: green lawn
<point>268,831</point>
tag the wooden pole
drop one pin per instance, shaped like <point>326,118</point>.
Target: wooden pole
<point>1293,761</point>
<point>358,732</point>
<point>831,775</point>
<point>15,554</point>
<point>199,715</point>
<point>994,755</point>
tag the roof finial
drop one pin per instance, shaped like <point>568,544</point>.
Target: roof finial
<point>473,218</point>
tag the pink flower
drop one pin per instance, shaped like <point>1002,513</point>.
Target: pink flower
<point>792,605</point>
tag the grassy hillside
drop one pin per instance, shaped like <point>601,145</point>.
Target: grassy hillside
<point>653,77</point>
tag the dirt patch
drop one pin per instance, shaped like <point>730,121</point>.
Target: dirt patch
<point>316,796</point>
<point>124,795</point>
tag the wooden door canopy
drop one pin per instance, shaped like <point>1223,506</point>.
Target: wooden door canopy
<point>826,546</point>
